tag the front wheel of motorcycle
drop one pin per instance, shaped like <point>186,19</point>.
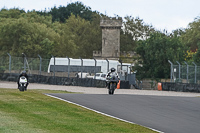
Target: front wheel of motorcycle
<point>21,88</point>
<point>113,89</point>
<point>109,92</point>
<point>110,89</point>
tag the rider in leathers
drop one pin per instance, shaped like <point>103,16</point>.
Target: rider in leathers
<point>25,75</point>
<point>112,70</point>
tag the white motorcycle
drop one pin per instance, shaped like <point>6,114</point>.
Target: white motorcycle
<point>22,83</point>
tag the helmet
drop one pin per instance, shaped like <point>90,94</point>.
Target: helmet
<point>112,69</point>
<point>23,73</point>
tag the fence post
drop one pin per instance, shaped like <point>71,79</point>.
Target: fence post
<point>68,65</point>
<point>171,69</point>
<point>187,70</point>
<point>81,66</point>
<point>95,68</point>
<point>40,69</point>
<point>24,61</point>
<point>107,65</point>
<point>9,62</point>
<point>179,71</point>
<point>54,65</point>
<point>195,76</point>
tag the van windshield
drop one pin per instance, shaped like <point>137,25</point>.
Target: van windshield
<point>97,74</point>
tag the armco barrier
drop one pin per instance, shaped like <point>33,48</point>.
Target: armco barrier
<point>86,82</point>
<point>182,87</point>
<point>124,84</point>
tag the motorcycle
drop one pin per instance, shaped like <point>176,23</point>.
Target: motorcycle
<point>22,83</point>
<point>112,81</point>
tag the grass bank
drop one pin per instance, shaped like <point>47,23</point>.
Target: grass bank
<point>34,112</point>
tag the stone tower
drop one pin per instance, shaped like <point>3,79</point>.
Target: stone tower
<point>110,37</point>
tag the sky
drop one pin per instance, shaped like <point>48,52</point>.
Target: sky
<point>161,14</point>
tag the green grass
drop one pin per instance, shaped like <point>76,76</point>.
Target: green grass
<point>34,112</point>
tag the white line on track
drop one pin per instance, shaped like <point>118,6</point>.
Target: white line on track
<point>102,113</point>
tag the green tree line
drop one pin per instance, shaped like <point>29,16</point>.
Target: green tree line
<point>74,31</point>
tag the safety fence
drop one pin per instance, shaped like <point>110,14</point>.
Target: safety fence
<point>62,71</point>
<point>185,73</point>
<point>10,64</point>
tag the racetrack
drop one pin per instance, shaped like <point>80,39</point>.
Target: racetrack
<point>94,90</point>
<point>161,110</point>
<point>165,114</point>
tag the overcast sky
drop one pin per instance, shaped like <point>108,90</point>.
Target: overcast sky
<point>162,14</point>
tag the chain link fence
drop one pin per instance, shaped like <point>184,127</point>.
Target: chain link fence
<point>12,64</point>
<point>185,73</point>
<point>61,67</point>
<point>64,71</point>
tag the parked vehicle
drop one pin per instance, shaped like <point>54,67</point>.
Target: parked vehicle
<point>84,75</point>
<point>112,81</point>
<point>100,76</point>
<point>22,83</point>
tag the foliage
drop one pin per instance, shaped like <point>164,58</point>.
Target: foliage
<point>62,13</point>
<point>78,38</point>
<point>27,33</point>
<point>191,37</point>
<point>189,55</point>
<point>134,29</point>
<point>12,13</point>
<point>137,28</point>
<point>196,55</point>
<point>37,34</point>
<point>155,53</point>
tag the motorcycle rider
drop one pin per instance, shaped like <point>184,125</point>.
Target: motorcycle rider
<point>112,70</point>
<point>23,73</point>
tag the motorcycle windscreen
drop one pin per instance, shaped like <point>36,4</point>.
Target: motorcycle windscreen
<point>23,80</point>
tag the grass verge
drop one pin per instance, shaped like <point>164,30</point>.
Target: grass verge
<point>34,112</point>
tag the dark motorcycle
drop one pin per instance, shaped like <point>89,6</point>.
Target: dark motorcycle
<point>112,81</point>
<point>22,83</point>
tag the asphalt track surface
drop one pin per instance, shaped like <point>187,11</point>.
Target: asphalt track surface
<point>168,114</point>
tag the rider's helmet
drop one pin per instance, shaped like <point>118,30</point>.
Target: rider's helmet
<point>112,69</point>
<point>23,73</point>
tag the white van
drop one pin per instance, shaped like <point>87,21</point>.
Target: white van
<point>100,76</point>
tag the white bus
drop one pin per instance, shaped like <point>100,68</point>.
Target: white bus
<point>102,66</point>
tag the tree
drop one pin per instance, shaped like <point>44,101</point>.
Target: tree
<point>62,13</point>
<point>85,36</point>
<point>12,13</point>
<point>154,54</point>
<point>27,34</point>
<point>192,35</point>
<point>137,28</point>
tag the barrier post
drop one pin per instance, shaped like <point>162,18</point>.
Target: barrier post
<point>81,66</point>
<point>40,69</point>
<point>24,61</point>
<point>68,65</point>
<point>179,71</point>
<point>187,70</point>
<point>9,62</point>
<point>171,70</point>
<point>195,76</point>
<point>107,65</point>
<point>95,68</point>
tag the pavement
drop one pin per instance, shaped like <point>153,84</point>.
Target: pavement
<point>95,90</point>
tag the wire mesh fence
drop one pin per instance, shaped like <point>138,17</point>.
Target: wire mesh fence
<point>60,67</point>
<point>185,73</point>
